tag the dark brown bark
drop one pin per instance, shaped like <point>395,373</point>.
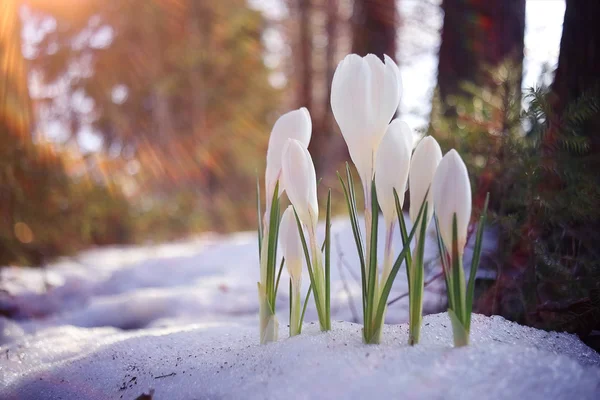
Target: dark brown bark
<point>326,144</point>
<point>578,70</point>
<point>374,27</point>
<point>478,36</point>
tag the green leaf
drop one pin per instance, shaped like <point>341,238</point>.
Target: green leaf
<point>403,234</point>
<point>313,282</point>
<point>357,239</point>
<point>305,304</point>
<point>461,335</point>
<point>416,293</point>
<point>259,215</point>
<point>445,267</point>
<point>272,246</point>
<point>475,261</point>
<point>458,275</point>
<point>291,316</point>
<point>328,261</point>
<point>390,280</point>
<point>372,271</point>
<point>278,277</point>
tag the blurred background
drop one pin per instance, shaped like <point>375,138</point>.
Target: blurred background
<point>142,121</point>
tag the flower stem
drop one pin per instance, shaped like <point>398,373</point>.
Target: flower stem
<point>296,308</point>
<point>319,276</point>
<point>269,326</point>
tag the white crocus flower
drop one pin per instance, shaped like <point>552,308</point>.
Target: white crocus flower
<point>292,125</point>
<point>365,94</point>
<point>423,165</point>
<point>452,195</point>
<point>290,243</point>
<point>391,173</point>
<point>301,182</point>
<point>392,166</point>
<point>291,246</point>
<point>301,188</point>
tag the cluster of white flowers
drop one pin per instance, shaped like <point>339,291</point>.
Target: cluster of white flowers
<point>365,96</point>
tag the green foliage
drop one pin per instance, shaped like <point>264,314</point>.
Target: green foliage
<point>541,169</point>
<point>45,214</point>
<point>197,111</point>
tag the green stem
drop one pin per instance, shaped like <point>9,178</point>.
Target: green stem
<point>319,276</point>
<point>417,284</point>
<point>296,307</point>
<point>415,300</point>
<point>269,326</point>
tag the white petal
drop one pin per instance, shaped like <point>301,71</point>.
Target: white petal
<point>423,165</point>
<point>289,239</point>
<point>295,125</point>
<point>352,109</point>
<point>452,194</point>
<point>365,95</point>
<point>301,183</point>
<point>392,166</point>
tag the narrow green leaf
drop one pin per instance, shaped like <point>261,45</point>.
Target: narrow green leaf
<point>457,274</point>
<point>278,277</point>
<point>385,292</point>
<point>372,272</point>
<point>416,293</point>
<point>304,307</point>
<point>404,235</point>
<point>460,333</point>
<point>328,261</point>
<point>272,246</point>
<point>357,239</point>
<point>475,261</point>
<point>313,282</point>
<point>291,316</point>
<point>259,216</point>
<point>445,266</point>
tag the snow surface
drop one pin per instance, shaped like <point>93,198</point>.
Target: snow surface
<point>202,280</point>
<point>181,319</point>
<point>225,361</point>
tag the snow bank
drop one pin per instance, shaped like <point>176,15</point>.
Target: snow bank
<point>224,360</point>
<point>206,279</point>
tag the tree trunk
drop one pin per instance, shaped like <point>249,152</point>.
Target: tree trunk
<point>326,144</point>
<point>306,63</point>
<point>578,68</point>
<point>15,104</point>
<point>374,27</point>
<point>477,37</point>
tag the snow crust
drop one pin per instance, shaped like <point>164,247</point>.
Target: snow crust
<point>225,361</point>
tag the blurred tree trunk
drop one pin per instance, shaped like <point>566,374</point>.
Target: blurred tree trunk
<point>478,37</point>
<point>306,51</point>
<point>326,145</point>
<point>374,27</point>
<point>15,104</point>
<point>578,68</point>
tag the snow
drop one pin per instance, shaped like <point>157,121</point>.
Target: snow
<point>201,280</point>
<point>181,319</point>
<point>224,360</point>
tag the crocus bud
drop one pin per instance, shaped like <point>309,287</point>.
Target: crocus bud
<point>292,125</point>
<point>365,94</point>
<point>423,164</point>
<point>291,246</point>
<point>301,182</point>
<point>452,195</point>
<point>391,167</point>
